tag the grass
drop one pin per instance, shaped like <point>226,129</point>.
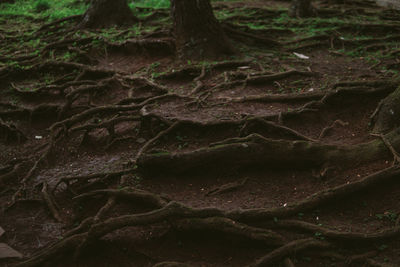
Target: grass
<point>50,9</point>
<point>42,8</point>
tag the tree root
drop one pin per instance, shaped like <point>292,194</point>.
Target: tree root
<point>67,123</point>
<point>51,204</point>
<point>157,137</point>
<point>130,194</point>
<point>58,22</point>
<point>377,83</point>
<point>195,71</point>
<point>281,98</point>
<point>257,151</point>
<point>105,209</point>
<point>260,79</point>
<point>327,129</point>
<point>9,132</point>
<point>199,83</point>
<point>65,246</point>
<point>289,249</point>
<point>230,227</point>
<point>319,198</point>
<point>68,179</point>
<point>288,263</point>
<point>108,124</point>
<point>245,37</point>
<point>226,187</point>
<point>255,123</point>
<point>13,174</point>
<point>339,236</point>
<point>204,218</point>
<point>396,156</point>
<point>154,46</point>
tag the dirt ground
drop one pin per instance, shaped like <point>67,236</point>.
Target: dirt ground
<point>114,152</point>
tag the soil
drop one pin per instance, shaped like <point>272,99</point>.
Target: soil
<point>90,119</point>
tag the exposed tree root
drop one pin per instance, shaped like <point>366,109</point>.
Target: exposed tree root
<point>75,115</point>
<point>57,23</point>
<point>327,129</point>
<point>171,264</point>
<point>69,179</point>
<point>130,194</point>
<point>396,156</point>
<point>203,219</point>
<point>12,174</point>
<point>226,187</point>
<point>338,236</point>
<point>199,83</point>
<point>256,150</point>
<point>289,249</point>
<point>158,136</point>
<point>9,132</point>
<point>51,204</point>
<point>230,228</point>
<point>253,124</point>
<point>263,79</point>
<point>248,37</point>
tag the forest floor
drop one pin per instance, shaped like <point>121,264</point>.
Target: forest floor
<point>113,152</point>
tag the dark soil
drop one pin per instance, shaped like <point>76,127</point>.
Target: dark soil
<point>104,113</point>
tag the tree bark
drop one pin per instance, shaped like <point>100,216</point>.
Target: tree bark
<point>197,32</point>
<point>301,9</point>
<point>107,13</point>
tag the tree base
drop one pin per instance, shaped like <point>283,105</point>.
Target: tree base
<point>107,13</point>
<point>302,9</point>
<point>198,34</point>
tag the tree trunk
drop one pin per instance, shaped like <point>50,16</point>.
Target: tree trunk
<point>197,32</point>
<point>106,13</point>
<point>301,9</point>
